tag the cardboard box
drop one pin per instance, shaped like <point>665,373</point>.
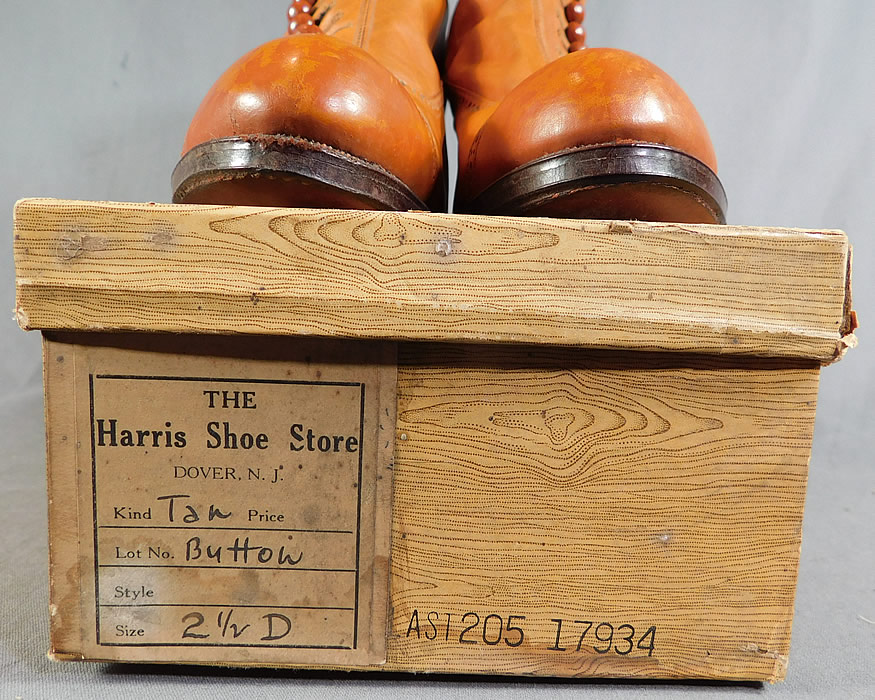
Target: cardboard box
<point>421,442</point>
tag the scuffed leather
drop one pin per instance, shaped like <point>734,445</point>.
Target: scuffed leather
<point>518,94</point>
<point>368,85</point>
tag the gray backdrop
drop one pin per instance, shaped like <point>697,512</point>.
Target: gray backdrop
<point>97,98</point>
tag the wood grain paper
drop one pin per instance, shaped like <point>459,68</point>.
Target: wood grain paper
<point>433,277</point>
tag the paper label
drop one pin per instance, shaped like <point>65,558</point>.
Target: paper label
<point>234,502</point>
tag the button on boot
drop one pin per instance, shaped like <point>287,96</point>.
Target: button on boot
<point>344,111</point>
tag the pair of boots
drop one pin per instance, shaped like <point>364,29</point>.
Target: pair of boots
<point>346,111</point>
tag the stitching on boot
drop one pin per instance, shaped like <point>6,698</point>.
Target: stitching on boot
<point>539,29</point>
<point>562,39</point>
<point>467,96</point>
<point>472,153</point>
<point>435,142</point>
<point>365,21</point>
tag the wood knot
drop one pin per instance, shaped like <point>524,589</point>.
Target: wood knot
<point>558,424</point>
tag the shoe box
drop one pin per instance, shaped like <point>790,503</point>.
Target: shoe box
<point>426,442</point>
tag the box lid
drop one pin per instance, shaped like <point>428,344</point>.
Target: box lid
<point>106,266</point>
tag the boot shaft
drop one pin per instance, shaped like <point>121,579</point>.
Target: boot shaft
<point>496,44</point>
<point>493,46</point>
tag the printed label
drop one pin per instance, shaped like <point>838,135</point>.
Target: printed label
<point>239,510</point>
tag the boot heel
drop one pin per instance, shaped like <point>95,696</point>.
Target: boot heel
<point>286,171</point>
<point>646,182</point>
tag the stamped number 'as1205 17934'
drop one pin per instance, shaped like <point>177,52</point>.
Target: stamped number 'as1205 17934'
<point>569,635</point>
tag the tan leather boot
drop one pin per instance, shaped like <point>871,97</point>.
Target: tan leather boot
<point>345,111</point>
<point>548,127</point>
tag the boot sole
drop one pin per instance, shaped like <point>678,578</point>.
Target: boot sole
<point>644,182</point>
<point>286,171</point>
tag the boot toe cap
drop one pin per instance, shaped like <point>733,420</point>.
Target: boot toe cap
<point>587,98</point>
<point>319,88</point>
